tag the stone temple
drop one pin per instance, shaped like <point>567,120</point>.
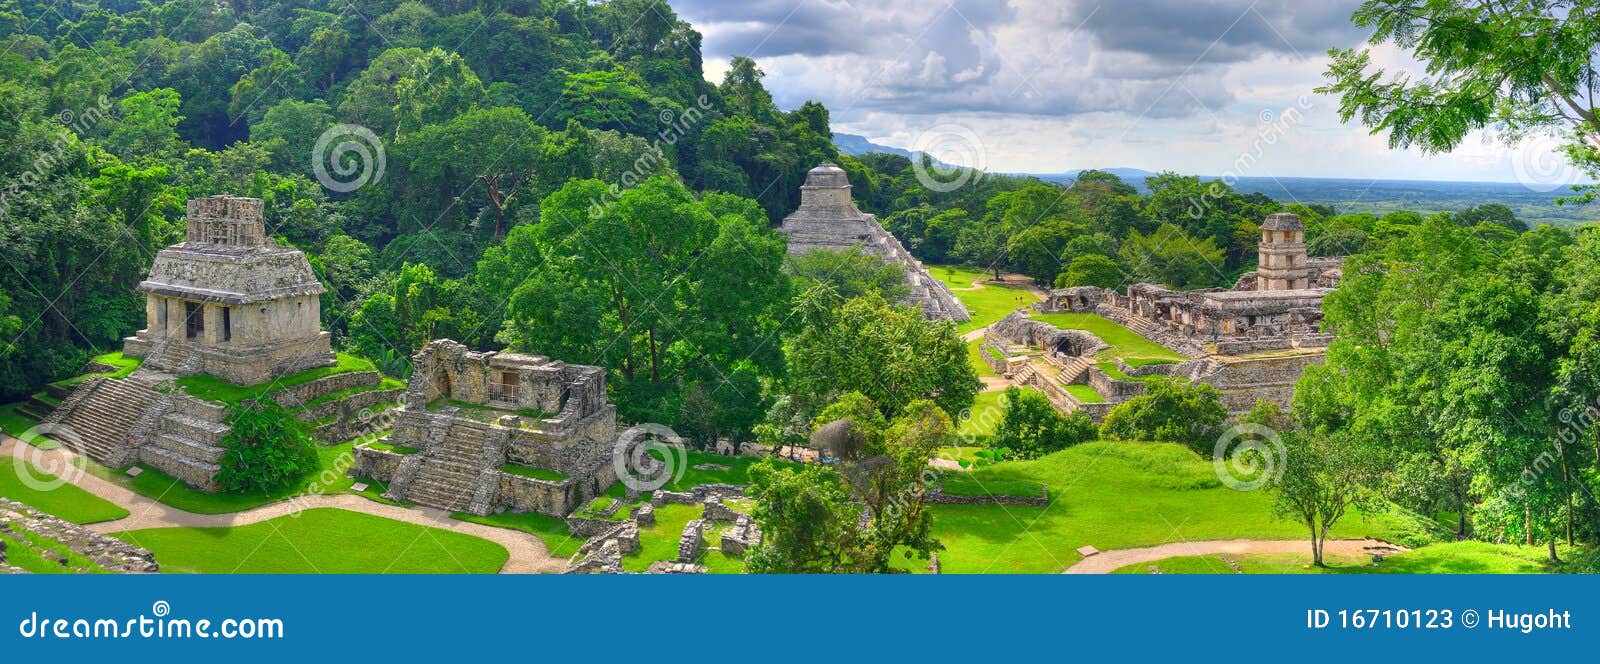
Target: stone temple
<point>231,302</point>
<point>228,302</point>
<point>1251,341</point>
<point>828,219</point>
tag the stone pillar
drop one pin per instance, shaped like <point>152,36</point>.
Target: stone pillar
<point>214,328</point>
<point>175,317</point>
<point>154,321</point>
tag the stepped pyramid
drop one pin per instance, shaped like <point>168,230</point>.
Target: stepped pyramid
<point>828,219</point>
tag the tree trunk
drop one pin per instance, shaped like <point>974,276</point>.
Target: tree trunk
<point>1553,557</point>
<point>1316,544</point>
<point>1527,523</point>
<point>1461,522</point>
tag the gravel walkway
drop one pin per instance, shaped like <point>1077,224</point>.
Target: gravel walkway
<point>1107,561</point>
<point>528,553</point>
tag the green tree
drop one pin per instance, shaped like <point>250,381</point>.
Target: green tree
<point>889,353</point>
<point>847,274</point>
<point>1172,257</point>
<point>1514,68</point>
<point>145,125</point>
<point>1091,270</point>
<point>807,519</point>
<point>1323,477</point>
<point>1169,411</point>
<point>267,449</point>
<point>1031,427</point>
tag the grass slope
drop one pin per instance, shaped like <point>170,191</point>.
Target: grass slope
<point>66,501</point>
<point>323,540</point>
<point>1445,558</point>
<point>1111,495</point>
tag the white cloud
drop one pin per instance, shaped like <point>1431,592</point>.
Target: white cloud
<point>1050,86</point>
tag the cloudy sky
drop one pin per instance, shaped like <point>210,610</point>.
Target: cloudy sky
<point>1197,86</point>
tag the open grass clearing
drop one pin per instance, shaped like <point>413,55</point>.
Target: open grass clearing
<point>320,541</point>
<point>28,484</point>
<point>1112,495</point>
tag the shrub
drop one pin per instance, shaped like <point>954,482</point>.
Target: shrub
<point>1170,411</point>
<point>268,449</point>
<point>1032,427</point>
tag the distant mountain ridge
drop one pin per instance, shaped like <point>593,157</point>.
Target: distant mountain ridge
<point>1345,194</point>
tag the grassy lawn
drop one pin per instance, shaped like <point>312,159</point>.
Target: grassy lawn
<point>152,483</point>
<point>1085,393</point>
<point>1125,343</point>
<point>325,541</point>
<point>1111,495</point>
<point>975,358</point>
<point>66,501</point>
<point>1445,558</point>
<point>397,449</point>
<point>737,471</point>
<point>958,276</point>
<point>23,550</point>
<point>125,365</point>
<point>990,303</point>
<point>212,388</point>
<point>987,408</point>
<point>550,530</point>
<point>957,484</point>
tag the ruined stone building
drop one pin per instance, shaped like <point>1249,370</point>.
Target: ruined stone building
<point>1252,341</point>
<point>828,219</point>
<point>228,302</point>
<point>482,432</point>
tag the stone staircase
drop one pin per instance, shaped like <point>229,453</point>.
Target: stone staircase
<point>455,474</point>
<point>101,415</point>
<point>187,442</point>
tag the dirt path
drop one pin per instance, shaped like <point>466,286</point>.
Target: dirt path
<point>1107,561</point>
<point>528,553</point>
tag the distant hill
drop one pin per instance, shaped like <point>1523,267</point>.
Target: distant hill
<point>856,146</point>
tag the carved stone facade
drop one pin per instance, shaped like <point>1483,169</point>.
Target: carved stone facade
<point>828,219</point>
<point>230,302</point>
